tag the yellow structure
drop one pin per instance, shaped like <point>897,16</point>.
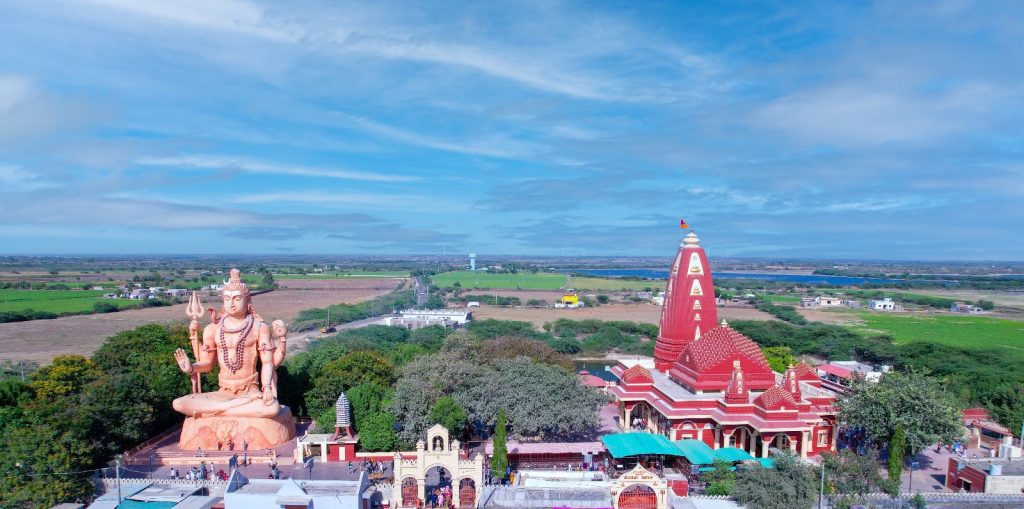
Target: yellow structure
<point>571,299</point>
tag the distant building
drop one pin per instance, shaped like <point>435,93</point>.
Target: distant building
<point>838,375</point>
<point>985,475</point>
<point>885,304</point>
<point>417,318</point>
<point>176,292</point>
<point>852,303</point>
<point>828,301</point>
<point>808,302</point>
<point>964,308</point>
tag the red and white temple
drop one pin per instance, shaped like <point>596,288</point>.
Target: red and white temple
<point>711,383</point>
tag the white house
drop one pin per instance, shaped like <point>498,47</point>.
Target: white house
<point>885,304</point>
<point>828,301</point>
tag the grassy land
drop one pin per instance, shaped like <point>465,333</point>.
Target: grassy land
<point>980,332</point>
<point>57,301</point>
<point>784,299</point>
<point>344,274</point>
<point>539,281</point>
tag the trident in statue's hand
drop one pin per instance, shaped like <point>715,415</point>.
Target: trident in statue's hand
<point>194,310</point>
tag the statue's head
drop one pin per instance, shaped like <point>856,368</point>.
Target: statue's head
<point>236,296</point>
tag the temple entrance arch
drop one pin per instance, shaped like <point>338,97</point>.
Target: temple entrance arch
<point>436,465</point>
<point>410,492</point>
<point>638,496</point>
<point>467,493</point>
<point>639,489</point>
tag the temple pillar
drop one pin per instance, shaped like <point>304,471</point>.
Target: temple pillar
<point>725,439</point>
<point>766,443</point>
<point>805,443</point>
<point>718,437</point>
<point>627,423</point>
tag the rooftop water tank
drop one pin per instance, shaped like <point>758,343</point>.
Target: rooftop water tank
<point>995,469</point>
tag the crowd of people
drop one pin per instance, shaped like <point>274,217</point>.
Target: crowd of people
<point>200,473</point>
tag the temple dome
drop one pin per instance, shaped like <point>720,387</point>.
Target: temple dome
<point>689,306</point>
<point>707,363</point>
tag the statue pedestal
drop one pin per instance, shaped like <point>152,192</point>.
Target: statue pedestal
<point>260,433</point>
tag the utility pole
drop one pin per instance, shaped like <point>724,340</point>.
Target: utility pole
<point>117,469</point>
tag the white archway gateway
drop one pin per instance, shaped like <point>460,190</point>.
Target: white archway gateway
<point>437,451</point>
<point>639,489</point>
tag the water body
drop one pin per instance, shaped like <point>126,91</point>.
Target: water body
<point>807,279</point>
<point>597,368</point>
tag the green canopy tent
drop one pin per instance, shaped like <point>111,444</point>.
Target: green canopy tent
<point>695,451</point>
<point>732,454</point>
<point>623,445</point>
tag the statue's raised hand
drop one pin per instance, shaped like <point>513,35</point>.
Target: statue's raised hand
<point>183,363</point>
<point>279,329</point>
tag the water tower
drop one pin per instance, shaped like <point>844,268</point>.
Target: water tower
<point>472,261</point>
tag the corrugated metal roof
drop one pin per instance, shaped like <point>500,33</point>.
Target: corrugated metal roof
<point>621,445</point>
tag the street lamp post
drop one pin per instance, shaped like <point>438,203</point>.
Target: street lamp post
<point>821,493</point>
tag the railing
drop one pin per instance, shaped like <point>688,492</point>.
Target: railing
<point>129,456</point>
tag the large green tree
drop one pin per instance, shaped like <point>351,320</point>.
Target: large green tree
<point>358,367</point>
<point>852,474</point>
<point>917,403</point>
<point>790,485</point>
<point>449,414</point>
<point>378,433</point>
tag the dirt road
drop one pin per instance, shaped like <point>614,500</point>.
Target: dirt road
<point>644,313</point>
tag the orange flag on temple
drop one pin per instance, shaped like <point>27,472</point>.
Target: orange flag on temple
<point>682,224</point>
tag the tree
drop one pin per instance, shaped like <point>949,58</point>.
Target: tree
<point>449,414</point>
<point>427,379</point>
<point>510,348</point>
<point>897,446</point>
<point>917,403</point>
<point>353,369</point>
<point>378,433</point>
<point>368,399</point>
<point>779,357</point>
<point>499,460</point>
<point>790,485</point>
<point>721,480</point>
<point>849,473</point>
<point>540,401</point>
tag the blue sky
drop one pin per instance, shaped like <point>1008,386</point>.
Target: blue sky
<point>788,129</point>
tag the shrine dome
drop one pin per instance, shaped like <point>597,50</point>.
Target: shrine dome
<point>707,363</point>
<point>776,398</point>
<point>637,375</point>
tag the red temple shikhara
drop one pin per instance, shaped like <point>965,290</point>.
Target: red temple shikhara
<point>711,383</point>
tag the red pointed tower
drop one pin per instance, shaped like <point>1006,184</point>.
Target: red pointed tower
<point>689,303</point>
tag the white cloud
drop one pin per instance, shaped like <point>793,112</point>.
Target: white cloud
<point>236,16</point>
<point>365,200</point>
<point>874,113</point>
<point>250,166</point>
<point>16,178</point>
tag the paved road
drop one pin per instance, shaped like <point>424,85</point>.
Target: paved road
<point>421,292</point>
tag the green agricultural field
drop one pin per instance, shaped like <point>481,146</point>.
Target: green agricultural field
<point>981,332</point>
<point>56,301</point>
<point>344,274</point>
<point>538,281</point>
<point>782,299</point>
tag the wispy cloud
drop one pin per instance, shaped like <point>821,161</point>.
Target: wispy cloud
<point>251,166</point>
